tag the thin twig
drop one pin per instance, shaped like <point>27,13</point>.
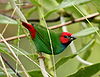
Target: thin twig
<point>30,60</point>
<point>8,23</point>
<point>29,5</point>
<point>56,26</point>
<point>14,37</point>
<point>76,20</point>
<point>18,12</point>
<point>10,66</point>
<point>5,69</point>
<point>50,20</point>
<point>41,60</point>
<point>21,16</point>
<point>24,70</point>
<point>42,65</point>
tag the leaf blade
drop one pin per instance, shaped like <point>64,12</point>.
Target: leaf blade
<point>87,71</point>
<point>64,60</point>
<point>36,73</point>
<point>6,20</point>
<point>86,32</point>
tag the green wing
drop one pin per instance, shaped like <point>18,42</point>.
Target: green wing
<point>42,41</point>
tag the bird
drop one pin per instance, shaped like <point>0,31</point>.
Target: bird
<point>41,39</point>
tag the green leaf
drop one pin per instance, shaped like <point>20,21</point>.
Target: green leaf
<point>35,2</point>
<point>98,41</point>
<point>30,12</point>
<point>59,1</point>
<point>87,71</point>
<point>4,49</point>
<point>86,32</point>
<point>87,49</point>
<point>35,73</point>
<point>86,55</point>
<point>87,46</point>
<point>6,20</point>
<point>96,3</point>
<point>96,19</point>
<point>49,4</point>
<point>64,60</point>
<point>69,3</point>
<point>66,4</point>
<point>21,50</point>
<point>2,74</point>
<point>49,13</point>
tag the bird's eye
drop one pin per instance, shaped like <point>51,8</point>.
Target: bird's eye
<point>66,36</point>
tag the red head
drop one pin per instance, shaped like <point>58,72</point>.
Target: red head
<point>30,28</point>
<point>66,37</point>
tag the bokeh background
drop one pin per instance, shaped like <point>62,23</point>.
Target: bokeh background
<point>71,65</point>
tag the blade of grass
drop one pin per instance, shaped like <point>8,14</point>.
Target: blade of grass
<point>24,70</point>
<point>29,59</point>
<point>76,7</point>
<point>5,69</point>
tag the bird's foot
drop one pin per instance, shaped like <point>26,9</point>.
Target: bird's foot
<point>41,57</point>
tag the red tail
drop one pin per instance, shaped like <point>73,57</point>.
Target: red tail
<point>31,29</point>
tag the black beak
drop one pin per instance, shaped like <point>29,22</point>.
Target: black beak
<point>72,37</point>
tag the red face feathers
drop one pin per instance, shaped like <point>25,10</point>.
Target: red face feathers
<point>66,37</point>
<point>30,28</point>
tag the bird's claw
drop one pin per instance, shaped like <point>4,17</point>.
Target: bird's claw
<point>41,57</point>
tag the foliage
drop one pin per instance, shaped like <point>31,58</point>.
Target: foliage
<point>87,71</point>
<point>87,33</point>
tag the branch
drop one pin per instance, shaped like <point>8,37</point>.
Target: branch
<point>4,67</point>
<point>21,16</point>
<point>17,74</point>
<point>17,59</point>
<point>29,5</point>
<point>18,11</point>
<point>76,20</point>
<point>57,26</point>
<point>37,20</point>
<point>13,38</point>
<point>42,65</point>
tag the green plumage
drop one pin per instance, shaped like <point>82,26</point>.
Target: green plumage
<point>54,44</point>
<point>42,41</point>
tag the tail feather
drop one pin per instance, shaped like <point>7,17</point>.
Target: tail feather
<point>31,29</point>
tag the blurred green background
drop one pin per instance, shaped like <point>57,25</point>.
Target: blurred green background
<point>71,65</point>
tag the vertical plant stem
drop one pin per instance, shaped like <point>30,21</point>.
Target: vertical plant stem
<point>72,46</point>
<point>6,26</point>
<point>5,70</point>
<point>16,73</point>
<point>49,64</point>
<point>24,70</point>
<point>18,12</point>
<point>43,23</point>
<point>42,65</point>
<point>21,16</point>
<point>30,60</point>
<point>86,18</point>
<point>41,61</point>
